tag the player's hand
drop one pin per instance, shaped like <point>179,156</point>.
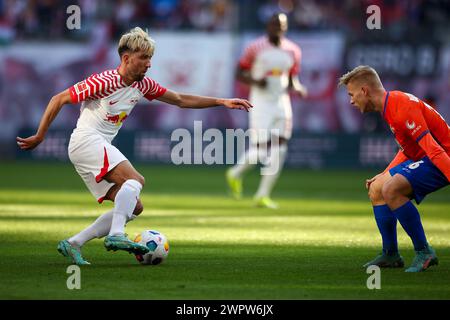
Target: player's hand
<point>262,83</point>
<point>29,143</point>
<point>302,91</point>
<point>369,181</point>
<point>240,104</point>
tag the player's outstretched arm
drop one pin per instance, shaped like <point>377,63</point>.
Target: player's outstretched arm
<point>52,110</point>
<point>198,102</point>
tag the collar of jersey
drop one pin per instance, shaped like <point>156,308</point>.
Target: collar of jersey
<point>121,79</point>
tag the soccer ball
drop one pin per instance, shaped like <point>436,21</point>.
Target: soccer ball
<point>158,245</point>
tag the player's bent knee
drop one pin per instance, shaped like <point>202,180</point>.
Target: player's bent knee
<point>390,191</point>
<point>140,179</point>
<point>375,194</point>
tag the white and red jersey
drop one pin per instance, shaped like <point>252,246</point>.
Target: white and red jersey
<point>107,101</point>
<point>275,63</point>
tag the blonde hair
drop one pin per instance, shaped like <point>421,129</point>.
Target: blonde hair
<point>362,74</point>
<point>136,40</point>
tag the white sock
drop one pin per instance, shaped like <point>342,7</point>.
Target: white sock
<point>124,205</point>
<point>268,181</point>
<point>98,229</point>
<point>246,161</point>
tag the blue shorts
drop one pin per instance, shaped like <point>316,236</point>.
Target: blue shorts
<point>423,176</point>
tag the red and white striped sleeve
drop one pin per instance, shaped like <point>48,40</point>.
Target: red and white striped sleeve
<point>97,86</point>
<point>151,89</point>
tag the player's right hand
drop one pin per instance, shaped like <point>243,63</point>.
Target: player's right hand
<point>240,104</point>
<point>29,143</point>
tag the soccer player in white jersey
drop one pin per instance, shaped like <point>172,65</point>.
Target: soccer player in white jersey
<point>270,65</point>
<point>107,100</point>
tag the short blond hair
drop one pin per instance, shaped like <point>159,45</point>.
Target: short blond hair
<point>362,74</point>
<point>136,40</point>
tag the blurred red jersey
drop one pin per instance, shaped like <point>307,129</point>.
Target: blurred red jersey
<point>410,119</point>
<point>418,128</point>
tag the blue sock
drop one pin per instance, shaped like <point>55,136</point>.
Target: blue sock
<point>409,218</point>
<point>387,224</point>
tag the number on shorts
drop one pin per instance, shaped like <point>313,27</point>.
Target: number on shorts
<point>415,165</point>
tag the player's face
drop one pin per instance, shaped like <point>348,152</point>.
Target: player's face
<point>138,63</point>
<point>359,97</point>
<point>277,26</point>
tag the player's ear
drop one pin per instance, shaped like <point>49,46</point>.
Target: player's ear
<point>125,57</point>
<point>365,90</point>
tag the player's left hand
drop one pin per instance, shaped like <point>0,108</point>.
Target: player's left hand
<point>240,104</point>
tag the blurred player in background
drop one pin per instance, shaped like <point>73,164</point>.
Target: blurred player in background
<point>421,166</point>
<point>270,65</point>
<point>107,100</point>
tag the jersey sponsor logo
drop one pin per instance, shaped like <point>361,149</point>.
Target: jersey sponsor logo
<point>113,102</point>
<point>274,72</point>
<point>416,130</point>
<point>410,125</point>
<point>80,87</point>
<point>116,119</point>
<point>133,101</point>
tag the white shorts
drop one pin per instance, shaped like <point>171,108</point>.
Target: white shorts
<point>265,127</point>
<point>93,157</point>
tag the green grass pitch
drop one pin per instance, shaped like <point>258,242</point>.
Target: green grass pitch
<point>313,247</point>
